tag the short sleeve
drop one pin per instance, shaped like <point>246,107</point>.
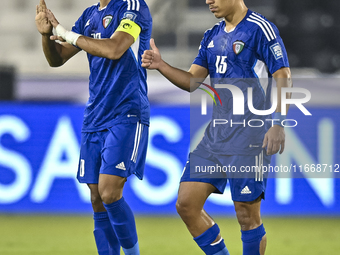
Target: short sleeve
<point>201,58</point>
<point>78,27</point>
<point>271,49</point>
<point>136,11</point>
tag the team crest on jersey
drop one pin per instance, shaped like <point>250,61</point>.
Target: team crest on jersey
<point>238,47</point>
<point>107,20</point>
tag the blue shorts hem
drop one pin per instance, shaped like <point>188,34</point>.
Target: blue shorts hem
<point>219,190</point>
<point>250,198</point>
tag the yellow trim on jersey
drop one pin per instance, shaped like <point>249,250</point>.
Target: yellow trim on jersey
<point>130,27</point>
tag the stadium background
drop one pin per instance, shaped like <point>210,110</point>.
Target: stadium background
<point>42,208</point>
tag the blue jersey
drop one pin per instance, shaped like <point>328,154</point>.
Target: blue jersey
<point>245,57</point>
<point>118,89</point>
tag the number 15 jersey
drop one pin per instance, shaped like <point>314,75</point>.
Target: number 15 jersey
<point>245,57</point>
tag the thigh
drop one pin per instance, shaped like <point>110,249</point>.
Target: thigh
<point>194,194</point>
<point>124,150</point>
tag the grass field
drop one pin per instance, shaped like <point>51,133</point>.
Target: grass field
<point>72,235</point>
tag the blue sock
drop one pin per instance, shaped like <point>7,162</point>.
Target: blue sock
<point>123,222</point>
<point>106,239</point>
<point>204,242</point>
<point>251,240</point>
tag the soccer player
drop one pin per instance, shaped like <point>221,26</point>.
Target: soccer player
<point>243,45</point>
<point>114,34</point>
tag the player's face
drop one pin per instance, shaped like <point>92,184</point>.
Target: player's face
<point>221,8</point>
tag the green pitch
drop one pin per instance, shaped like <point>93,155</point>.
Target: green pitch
<point>72,235</point>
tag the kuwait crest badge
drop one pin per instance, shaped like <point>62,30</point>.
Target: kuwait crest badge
<point>238,47</point>
<point>107,20</point>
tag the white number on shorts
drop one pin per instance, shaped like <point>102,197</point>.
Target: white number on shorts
<point>82,168</point>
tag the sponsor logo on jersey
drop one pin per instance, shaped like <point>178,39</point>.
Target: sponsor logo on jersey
<point>130,15</point>
<point>121,166</point>
<point>87,23</point>
<point>238,47</point>
<point>107,20</point>
<point>277,51</point>
<point>245,191</point>
<point>211,44</point>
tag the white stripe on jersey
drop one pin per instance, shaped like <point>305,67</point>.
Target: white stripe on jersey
<point>138,5</point>
<point>265,25</point>
<point>135,48</point>
<point>134,6</point>
<point>129,4</point>
<point>260,25</point>
<point>270,26</point>
<point>272,36</point>
<point>261,71</point>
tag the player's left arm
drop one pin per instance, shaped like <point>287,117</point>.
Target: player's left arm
<point>111,48</point>
<point>274,139</point>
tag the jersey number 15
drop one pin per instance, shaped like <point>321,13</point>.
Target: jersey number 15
<point>221,64</point>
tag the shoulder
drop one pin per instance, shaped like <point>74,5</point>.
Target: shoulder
<point>88,11</point>
<point>131,5</point>
<point>261,26</point>
<point>80,23</point>
<point>211,32</point>
<point>135,10</point>
<point>91,8</point>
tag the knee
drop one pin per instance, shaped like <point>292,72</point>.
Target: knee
<point>184,208</point>
<point>110,188</point>
<point>243,218</point>
<point>96,201</point>
<point>247,217</point>
<point>109,196</point>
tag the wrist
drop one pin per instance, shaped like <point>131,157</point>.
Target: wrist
<point>162,64</point>
<point>47,35</point>
<point>278,119</point>
<point>68,36</point>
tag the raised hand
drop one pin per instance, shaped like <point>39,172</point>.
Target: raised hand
<point>151,59</point>
<point>51,18</point>
<point>54,22</point>
<point>44,26</point>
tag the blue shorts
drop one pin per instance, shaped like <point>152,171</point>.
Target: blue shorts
<point>245,173</point>
<point>119,150</point>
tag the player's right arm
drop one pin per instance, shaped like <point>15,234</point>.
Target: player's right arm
<point>151,59</point>
<point>56,53</point>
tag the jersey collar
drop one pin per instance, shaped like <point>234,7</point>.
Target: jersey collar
<point>232,30</point>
